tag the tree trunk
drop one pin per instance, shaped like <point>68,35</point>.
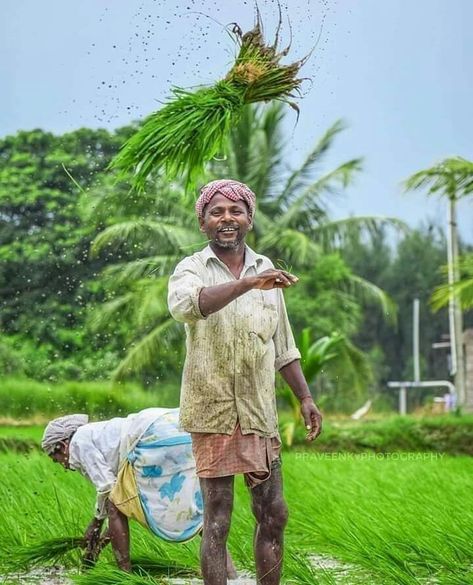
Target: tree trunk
<point>455,312</point>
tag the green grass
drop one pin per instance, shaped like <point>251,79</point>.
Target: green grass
<point>26,432</point>
<point>447,434</point>
<point>25,399</point>
<point>397,519</point>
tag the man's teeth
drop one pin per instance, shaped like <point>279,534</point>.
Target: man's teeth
<point>228,230</point>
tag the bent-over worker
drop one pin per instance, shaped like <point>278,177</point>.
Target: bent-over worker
<point>142,467</point>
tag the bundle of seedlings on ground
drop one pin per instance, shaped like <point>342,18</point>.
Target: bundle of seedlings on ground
<point>168,568</point>
<point>47,552</point>
<point>193,127</point>
<point>109,575</point>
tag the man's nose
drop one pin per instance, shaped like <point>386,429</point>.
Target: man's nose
<point>227,215</point>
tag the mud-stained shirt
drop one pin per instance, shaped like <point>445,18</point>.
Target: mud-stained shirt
<point>232,355</point>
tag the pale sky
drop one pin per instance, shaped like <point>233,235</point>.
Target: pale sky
<point>397,71</point>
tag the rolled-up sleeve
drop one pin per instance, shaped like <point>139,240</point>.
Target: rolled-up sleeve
<point>284,344</point>
<point>184,289</point>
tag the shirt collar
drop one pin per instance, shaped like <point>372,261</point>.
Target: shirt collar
<point>251,257</point>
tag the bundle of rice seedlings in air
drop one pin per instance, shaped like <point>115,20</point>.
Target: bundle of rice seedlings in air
<point>193,127</point>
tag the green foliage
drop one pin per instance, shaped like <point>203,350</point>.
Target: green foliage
<point>44,248</point>
<point>441,434</point>
<point>463,289</point>
<point>322,299</point>
<point>314,355</point>
<point>24,398</point>
<point>451,177</point>
<point>46,552</point>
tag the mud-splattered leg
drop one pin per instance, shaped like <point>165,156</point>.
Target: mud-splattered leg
<point>271,514</point>
<point>217,494</point>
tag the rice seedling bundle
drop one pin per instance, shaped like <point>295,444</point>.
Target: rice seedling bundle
<point>109,575</point>
<point>193,126</point>
<point>43,553</point>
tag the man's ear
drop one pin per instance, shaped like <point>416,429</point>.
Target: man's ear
<point>201,224</point>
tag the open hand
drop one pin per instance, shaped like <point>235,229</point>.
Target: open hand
<point>274,278</point>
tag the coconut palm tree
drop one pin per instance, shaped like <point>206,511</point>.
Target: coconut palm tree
<point>451,178</point>
<point>292,223</point>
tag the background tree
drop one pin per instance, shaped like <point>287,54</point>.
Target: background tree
<point>44,244</point>
<point>453,179</point>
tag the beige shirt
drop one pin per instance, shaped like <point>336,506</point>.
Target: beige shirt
<point>232,354</point>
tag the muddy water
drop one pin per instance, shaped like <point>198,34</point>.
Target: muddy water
<point>57,576</point>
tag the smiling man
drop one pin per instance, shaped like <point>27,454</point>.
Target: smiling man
<point>238,334</point>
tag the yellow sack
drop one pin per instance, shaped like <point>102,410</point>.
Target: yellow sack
<point>125,494</point>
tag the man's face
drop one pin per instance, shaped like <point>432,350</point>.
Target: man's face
<point>61,454</point>
<point>225,222</point>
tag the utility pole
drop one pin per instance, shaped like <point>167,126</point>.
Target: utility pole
<point>454,309</point>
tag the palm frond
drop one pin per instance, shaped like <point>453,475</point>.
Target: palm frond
<point>130,272</point>
<point>144,353</point>
<point>298,178</point>
<point>292,245</point>
<point>368,291</point>
<point>107,313</point>
<point>452,177</point>
<point>307,208</point>
<point>159,234</point>
<point>462,290</point>
<point>334,233</point>
<point>145,303</point>
<point>351,359</point>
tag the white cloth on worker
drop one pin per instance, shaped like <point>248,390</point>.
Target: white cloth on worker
<point>61,429</point>
<point>97,449</point>
<point>166,479</point>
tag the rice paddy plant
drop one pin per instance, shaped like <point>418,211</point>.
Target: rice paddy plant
<point>193,126</point>
<point>42,553</point>
<point>109,575</point>
<point>164,568</point>
<point>392,517</point>
<point>302,572</point>
<point>394,521</point>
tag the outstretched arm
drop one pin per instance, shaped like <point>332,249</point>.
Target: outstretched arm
<point>190,300</point>
<point>214,298</point>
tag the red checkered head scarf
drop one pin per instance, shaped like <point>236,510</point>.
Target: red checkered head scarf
<point>230,189</point>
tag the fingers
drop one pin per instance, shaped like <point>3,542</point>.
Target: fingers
<point>273,278</point>
<point>292,277</point>
<point>315,426</point>
<point>284,279</point>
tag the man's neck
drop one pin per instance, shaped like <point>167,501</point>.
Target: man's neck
<point>234,258</point>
